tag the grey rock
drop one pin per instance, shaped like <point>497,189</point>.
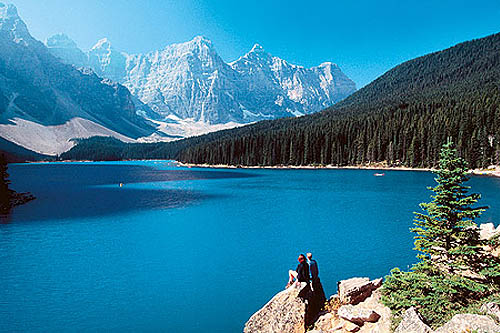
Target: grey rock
<point>468,323</point>
<point>357,315</point>
<point>356,290</point>
<point>351,327</point>
<point>412,323</point>
<point>487,230</point>
<point>285,312</point>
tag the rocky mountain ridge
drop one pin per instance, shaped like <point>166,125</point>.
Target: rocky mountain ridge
<point>191,81</point>
<point>45,103</point>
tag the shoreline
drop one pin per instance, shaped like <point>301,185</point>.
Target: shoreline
<point>301,167</point>
<point>493,171</point>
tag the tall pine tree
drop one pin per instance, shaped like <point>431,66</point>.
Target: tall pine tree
<point>446,234</point>
<point>454,271</point>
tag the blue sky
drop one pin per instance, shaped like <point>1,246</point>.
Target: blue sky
<point>365,38</point>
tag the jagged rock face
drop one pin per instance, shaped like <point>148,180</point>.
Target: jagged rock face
<point>469,323</point>
<point>191,81</point>
<point>285,312</point>
<point>11,23</point>
<point>36,87</point>
<point>65,49</point>
<point>188,80</point>
<point>107,62</point>
<point>272,81</point>
<point>412,323</point>
<point>355,290</point>
<point>368,316</point>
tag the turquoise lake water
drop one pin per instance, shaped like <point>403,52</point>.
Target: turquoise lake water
<point>190,250</point>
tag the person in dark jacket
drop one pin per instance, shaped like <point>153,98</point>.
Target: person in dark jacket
<point>301,274</point>
<point>313,267</point>
<point>317,287</point>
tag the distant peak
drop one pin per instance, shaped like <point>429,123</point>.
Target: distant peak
<point>12,23</point>
<point>103,43</point>
<point>257,48</point>
<point>8,11</point>
<point>327,64</point>
<point>61,40</point>
<point>202,40</point>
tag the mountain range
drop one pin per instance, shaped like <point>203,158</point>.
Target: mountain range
<point>191,81</point>
<point>400,119</point>
<point>53,93</point>
<point>45,103</point>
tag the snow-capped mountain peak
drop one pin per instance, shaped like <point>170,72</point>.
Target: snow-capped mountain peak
<point>61,40</point>
<point>66,49</point>
<point>200,40</point>
<point>257,48</point>
<point>191,81</point>
<point>102,44</point>
<point>106,61</point>
<point>12,23</point>
<point>8,11</point>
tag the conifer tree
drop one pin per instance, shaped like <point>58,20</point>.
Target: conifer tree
<point>446,235</point>
<point>453,271</point>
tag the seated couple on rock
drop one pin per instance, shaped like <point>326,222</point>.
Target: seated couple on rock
<point>307,272</point>
<point>306,278</point>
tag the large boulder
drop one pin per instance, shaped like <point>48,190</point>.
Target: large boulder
<point>285,312</point>
<point>324,322</point>
<point>383,324</point>
<point>357,315</point>
<point>356,290</point>
<point>487,230</point>
<point>469,323</point>
<point>412,323</point>
<point>369,316</point>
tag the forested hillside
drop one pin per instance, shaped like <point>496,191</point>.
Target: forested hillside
<point>402,118</point>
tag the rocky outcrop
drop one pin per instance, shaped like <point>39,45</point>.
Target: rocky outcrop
<point>357,315</point>
<point>469,323</point>
<point>488,231</point>
<point>366,314</point>
<point>412,323</point>
<point>285,312</point>
<point>355,290</point>
<point>360,311</point>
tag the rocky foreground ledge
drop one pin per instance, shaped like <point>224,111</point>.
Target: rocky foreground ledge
<point>357,308</point>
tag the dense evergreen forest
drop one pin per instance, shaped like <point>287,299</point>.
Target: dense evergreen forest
<point>401,118</point>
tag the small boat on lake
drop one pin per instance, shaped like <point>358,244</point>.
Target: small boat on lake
<point>379,174</point>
